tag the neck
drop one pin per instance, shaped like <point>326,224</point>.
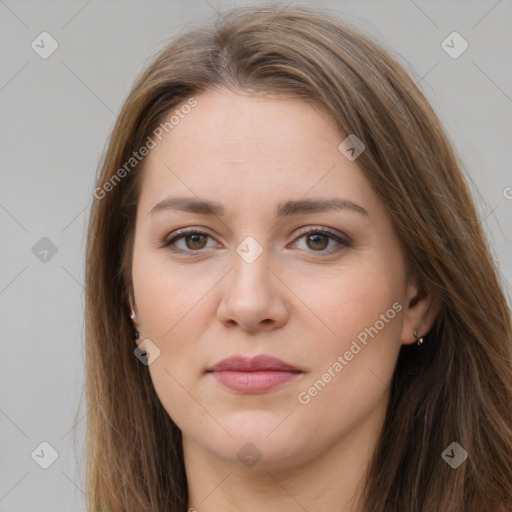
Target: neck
<point>332,480</point>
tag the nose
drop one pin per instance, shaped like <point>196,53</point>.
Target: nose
<point>253,297</point>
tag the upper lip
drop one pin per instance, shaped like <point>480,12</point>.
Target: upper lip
<point>252,364</point>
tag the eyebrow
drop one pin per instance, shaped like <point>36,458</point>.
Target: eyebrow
<point>284,208</point>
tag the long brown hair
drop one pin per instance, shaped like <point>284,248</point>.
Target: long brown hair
<point>457,388</point>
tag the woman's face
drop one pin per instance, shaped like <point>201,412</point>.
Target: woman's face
<point>296,259</point>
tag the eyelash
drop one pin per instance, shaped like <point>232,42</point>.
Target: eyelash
<point>343,242</point>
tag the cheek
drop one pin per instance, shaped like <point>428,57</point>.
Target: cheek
<point>171,300</point>
<point>173,312</point>
<point>352,300</point>
<point>352,366</point>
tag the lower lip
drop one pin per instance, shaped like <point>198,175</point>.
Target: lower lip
<point>254,382</point>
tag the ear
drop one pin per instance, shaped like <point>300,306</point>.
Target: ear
<point>421,309</point>
<point>141,341</point>
<point>131,303</point>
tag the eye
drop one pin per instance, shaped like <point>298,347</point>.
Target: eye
<point>318,239</point>
<point>193,241</point>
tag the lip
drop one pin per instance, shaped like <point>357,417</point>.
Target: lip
<point>253,375</point>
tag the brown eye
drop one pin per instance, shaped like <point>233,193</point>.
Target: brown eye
<point>197,241</point>
<point>317,241</point>
<point>193,240</point>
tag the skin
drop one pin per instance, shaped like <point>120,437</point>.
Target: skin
<point>303,300</point>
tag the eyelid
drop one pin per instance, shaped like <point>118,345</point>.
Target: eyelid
<point>342,241</point>
<point>337,235</point>
<point>167,240</point>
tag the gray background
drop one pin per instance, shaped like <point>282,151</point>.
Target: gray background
<point>56,116</point>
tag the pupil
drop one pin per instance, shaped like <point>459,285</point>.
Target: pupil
<point>195,240</point>
<point>316,236</point>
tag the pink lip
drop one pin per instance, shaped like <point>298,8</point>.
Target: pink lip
<point>253,375</point>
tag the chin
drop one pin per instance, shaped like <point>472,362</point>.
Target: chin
<point>258,444</point>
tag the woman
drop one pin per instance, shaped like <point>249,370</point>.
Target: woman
<point>291,304</point>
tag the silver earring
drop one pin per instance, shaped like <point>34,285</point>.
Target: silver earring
<point>420,341</point>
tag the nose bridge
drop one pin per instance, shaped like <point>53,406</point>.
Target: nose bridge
<point>251,295</point>
<point>251,275</point>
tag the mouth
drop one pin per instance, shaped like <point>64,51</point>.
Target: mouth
<point>253,375</point>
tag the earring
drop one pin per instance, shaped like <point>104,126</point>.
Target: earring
<point>420,341</point>
<point>135,331</point>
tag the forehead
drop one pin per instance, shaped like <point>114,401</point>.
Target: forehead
<point>251,147</point>
<point>239,123</point>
